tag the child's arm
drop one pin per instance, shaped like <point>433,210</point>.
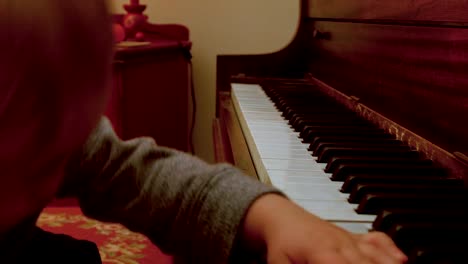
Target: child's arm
<point>196,210</point>
<point>181,203</point>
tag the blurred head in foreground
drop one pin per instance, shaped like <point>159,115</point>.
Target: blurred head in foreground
<point>55,58</point>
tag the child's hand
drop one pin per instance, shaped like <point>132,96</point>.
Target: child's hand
<point>292,235</point>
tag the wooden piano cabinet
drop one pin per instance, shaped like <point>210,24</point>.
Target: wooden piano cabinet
<point>406,61</point>
<point>222,146</point>
<point>399,65</point>
<point>151,88</point>
<point>229,142</point>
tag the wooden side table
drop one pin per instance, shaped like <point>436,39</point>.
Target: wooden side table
<point>151,87</point>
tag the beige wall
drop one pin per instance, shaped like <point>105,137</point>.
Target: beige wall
<point>223,27</point>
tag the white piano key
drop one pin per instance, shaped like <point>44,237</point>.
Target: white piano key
<point>334,210</point>
<point>273,150</point>
<point>266,142</point>
<point>281,177</point>
<point>357,228</point>
<point>280,164</point>
<point>263,116</point>
<point>291,155</point>
<point>269,138</point>
<point>302,176</point>
<point>271,135</point>
<point>267,126</point>
<point>315,192</point>
<point>290,140</point>
<point>256,129</point>
<point>257,107</point>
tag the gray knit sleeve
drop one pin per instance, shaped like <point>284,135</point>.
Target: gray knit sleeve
<point>185,206</point>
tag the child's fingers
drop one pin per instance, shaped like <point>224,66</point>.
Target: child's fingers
<point>379,255</point>
<point>382,242</point>
<point>278,258</point>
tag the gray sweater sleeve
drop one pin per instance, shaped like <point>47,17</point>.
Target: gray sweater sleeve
<point>185,206</point>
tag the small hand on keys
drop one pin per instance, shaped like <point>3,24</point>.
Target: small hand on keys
<point>291,235</point>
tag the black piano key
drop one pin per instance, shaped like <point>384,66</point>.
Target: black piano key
<point>354,179</point>
<point>300,127</point>
<point>298,95</point>
<point>295,92</point>
<point>373,203</point>
<point>336,139</point>
<point>360,190</point>
<point>310,132</point>
<point>326,114</point>
<point>293,114</point>
<point>438,253</point>
<point>358,143</point>
<point>296,112</point>
<point>344,170</point>
<point>303,105</point>
<point>303,93</point>
<point>325,106</point>
<point>335,162</point>
<point>389,217</point>
<point>288,92</point>
<point>299,123</point>
<point>408,236</point>
<point>282,104</point>
<point>390,151</point>
<point>369,144</point>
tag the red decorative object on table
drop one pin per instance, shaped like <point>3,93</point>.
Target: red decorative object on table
<point>134,20</point>
<point>118,32</point>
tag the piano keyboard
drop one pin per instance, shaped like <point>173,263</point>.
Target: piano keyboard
<point>347,171</point>
<point>284,161</point>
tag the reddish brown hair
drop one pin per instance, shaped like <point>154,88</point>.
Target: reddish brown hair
<point>55,60</point>
<point>55,57</point>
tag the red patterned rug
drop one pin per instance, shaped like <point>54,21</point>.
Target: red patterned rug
<point>117,245</point>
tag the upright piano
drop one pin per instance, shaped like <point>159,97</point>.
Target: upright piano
<point>362,120</point>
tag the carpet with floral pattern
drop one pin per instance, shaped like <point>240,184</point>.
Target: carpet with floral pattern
<point>117,245</point>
